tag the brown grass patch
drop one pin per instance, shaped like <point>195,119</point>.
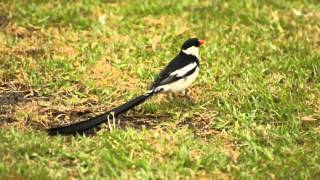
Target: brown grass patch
<point>11,94</point>
<point>36,44</point>
<point>4,18</point>
<point>149,121</point>
<point>105,75</point>
<point>12,29</point>
<point>60,48</point>
<point>28,46</point>
<point>25,111</point>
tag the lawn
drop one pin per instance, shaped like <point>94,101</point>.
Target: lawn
<point>254,111</point>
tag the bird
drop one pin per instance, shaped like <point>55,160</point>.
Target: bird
<point>174,78</point>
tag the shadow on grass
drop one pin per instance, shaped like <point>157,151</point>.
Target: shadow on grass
<point>18,99</point>
<point>135,118</point>
<point>200,124</point>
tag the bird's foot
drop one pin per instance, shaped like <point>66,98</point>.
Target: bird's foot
<point>185,95</point>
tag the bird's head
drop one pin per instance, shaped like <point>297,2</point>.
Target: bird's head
<point>191,46</point>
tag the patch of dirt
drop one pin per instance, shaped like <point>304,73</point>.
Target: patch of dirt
<point>4,18</point>
<point>5,117</point>
<point>11,98</point>
<point>11,94</point>
<point>58,116</point>
<point>149,121</point>
<point>23,108</point>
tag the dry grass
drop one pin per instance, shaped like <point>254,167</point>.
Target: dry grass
<point>252,113</point>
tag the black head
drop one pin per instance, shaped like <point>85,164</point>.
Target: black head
<point>192,42</point>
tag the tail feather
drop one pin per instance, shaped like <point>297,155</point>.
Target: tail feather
<point>83,126</point>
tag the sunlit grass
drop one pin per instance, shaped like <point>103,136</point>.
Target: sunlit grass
<point>254,110</point>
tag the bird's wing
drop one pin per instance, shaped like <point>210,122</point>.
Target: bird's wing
<point>177,69</point>
<point>179,74</point>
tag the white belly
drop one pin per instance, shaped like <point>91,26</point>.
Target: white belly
<point>181,84</point>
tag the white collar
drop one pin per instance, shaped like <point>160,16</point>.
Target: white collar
<point>193,50</point>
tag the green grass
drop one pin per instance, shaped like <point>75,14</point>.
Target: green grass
<point>256,104</point>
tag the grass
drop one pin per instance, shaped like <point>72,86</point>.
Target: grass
<point>255,106</point>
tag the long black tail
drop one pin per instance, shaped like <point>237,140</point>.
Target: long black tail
<point>83,126</point>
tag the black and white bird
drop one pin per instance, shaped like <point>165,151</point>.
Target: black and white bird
<point>175,77</point>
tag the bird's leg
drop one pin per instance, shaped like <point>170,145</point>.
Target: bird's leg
<point>185,94</point>
<point>172,96</point>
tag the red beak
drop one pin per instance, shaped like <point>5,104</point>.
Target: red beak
<point>201,42</point>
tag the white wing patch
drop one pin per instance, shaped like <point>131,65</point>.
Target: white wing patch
<point>181,72</point>
<point>180,85</point>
